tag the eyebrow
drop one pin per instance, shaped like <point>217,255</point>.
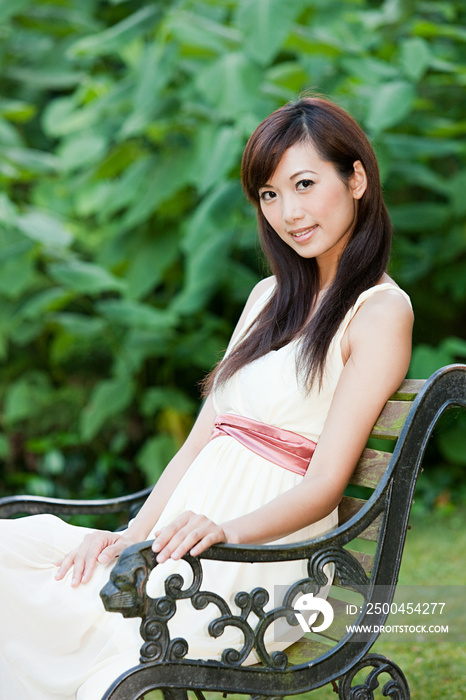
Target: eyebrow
<point>302,172</point>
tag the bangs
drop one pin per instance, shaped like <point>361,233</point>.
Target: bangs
<point>265,148</point>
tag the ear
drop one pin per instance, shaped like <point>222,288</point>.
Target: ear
<point>358,180</point>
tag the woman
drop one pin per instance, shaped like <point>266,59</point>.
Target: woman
<point>319,348</point>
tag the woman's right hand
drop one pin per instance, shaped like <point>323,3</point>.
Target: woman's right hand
<point>100,547</point>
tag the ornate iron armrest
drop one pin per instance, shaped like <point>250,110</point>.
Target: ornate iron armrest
<point>125,592</point>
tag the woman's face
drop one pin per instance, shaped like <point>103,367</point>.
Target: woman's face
<point>309,206</point>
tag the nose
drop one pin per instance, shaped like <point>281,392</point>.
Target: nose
<point>292,210</point>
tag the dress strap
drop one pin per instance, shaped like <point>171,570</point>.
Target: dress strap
<point>282,447</point>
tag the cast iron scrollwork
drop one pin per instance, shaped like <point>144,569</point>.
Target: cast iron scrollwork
<point>126,593</point>
<point>347,567</point>
<point>396,688</point>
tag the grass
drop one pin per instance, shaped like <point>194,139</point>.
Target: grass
<point>434,551</point>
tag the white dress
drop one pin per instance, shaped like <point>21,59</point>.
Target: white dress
<point>58,642</point>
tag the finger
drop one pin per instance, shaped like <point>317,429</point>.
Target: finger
<point>78,570</point>
<point>165,546</point>
<point>65,565</point>
<point>207,542</point>
<point>185,539</point>
<point>90,560</point>
<point>169,531</point>
<point>181,547</point>
<point>112,551</point>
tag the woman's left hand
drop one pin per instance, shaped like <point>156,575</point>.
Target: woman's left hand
<point>189,532</point>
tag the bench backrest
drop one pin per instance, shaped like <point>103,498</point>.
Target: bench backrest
<point>366,477</point>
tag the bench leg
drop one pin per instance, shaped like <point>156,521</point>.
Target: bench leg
<point>396,687</point>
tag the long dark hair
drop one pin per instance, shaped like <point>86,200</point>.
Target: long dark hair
<point>338,139</point>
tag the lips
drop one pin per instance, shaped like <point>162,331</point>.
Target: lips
<point>303,234</point>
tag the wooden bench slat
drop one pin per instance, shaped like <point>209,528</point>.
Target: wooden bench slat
<point>348,507</point>
<point>341,619</point>
<point>370,468</point>
<point>304,650</point>
<point>391,420</point>
<point>408,390</point>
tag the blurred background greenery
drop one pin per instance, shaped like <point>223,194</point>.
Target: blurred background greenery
<point>127,248</point>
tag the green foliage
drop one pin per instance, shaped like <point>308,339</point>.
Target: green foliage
<point>126,245</point>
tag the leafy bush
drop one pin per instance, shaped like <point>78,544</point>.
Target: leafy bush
<point>126,246</point>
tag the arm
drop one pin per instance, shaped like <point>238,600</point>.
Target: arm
<point>102,546</point>
<point>377,346</point>
<point>197,439</point>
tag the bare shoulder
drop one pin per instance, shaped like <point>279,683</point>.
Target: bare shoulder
<point>379,336</point>
<point>387,307</point>
<point>261,287</point>
<point>257,292</point>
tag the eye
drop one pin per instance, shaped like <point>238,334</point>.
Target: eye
<point>267,195</point>
<point>303,185</point>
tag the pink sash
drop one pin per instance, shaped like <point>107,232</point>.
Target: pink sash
<point>282,447</point>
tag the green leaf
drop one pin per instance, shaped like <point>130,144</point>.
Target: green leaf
<point>200,35</point>
<point>49,77</point>
<point>265,25</point>
<point>54,463</point>
<point>456,347</point>
<point>5,451</point>
<point>217,152</point>
<point>389,105</point>
<point>156,398</point>
<point>65,116</point>
<point>17,274</point>
<point>9,135</point>
<point>208,217</point>
<point>417,217</point>
<point>291,75</point>
<point>207,240</point>
<point>17,110</point>
<point>44,228</point>
<point>93,197</point>
<point>128,187</point>
<point>458,189</point>
<point>168,175</point>
<point>44,302</point>
<point>231,84</point>
<point>26,397</point>
<point>452,441</point>
<point>369,69</point>
<point>426,360</point>
<point>84,277</point>
<point>78,325</point>
<point>115,38</point>
<point>32,160</point>
<point>136,315</point>
<point>407,146</point>
<point>147,266</point>
<point>8,8</point>
<point>415,57</point>
<point>108,399</point>
<point>154,456</point>
<point>8,214</point>
<point>80,150</point>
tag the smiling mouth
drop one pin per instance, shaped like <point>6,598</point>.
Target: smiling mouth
<point>303,233</point>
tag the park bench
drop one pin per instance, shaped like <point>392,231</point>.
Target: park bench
<point>365,548</point>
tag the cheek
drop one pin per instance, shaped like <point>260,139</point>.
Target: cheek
<point>337,205</point>
<point>272,216</point>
